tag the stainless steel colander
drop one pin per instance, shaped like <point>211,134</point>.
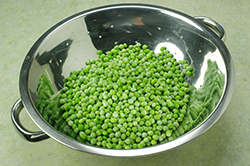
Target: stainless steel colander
<point>73,41</point>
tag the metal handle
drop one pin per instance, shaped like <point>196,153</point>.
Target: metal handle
<point>28,135</point>
<point>213,25</point>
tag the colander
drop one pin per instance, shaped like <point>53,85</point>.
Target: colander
<point>70,43</point>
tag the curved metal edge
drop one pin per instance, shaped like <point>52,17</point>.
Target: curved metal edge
<point>28,135</point>
<point>213,25</point>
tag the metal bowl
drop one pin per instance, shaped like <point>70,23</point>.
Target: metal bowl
<point>73,41</point>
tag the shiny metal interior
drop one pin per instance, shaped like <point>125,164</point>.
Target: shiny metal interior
<point>70,43</point>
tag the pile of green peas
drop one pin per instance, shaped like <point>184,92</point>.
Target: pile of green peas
<point>129,97</point>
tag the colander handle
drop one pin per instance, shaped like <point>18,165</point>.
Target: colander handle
<point>213,25</point>
<point>28,135</point>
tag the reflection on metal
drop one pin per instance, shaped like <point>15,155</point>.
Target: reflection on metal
<point>204,99</point>
<point>55,58</point>
<point>215,56</point>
